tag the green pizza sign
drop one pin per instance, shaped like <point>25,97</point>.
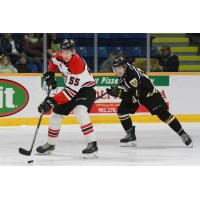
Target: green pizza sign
<point>113,80</point>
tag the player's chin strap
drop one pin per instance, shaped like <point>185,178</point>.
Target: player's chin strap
<point>28,152</point>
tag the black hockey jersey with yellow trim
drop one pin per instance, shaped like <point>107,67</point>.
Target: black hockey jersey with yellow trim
<point>136,82</point>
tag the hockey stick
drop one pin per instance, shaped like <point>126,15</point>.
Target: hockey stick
<point>24,151</point>
<point>101,96</point>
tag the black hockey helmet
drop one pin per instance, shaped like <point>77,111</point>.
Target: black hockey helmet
<point>67,44</point>
<point>119,60</point>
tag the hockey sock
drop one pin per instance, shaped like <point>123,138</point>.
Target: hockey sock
<point>126,122</point>
<point>82,116</point>
<point>88,132</point>
<point>54,128</point>
<point>172,122</point>
<point>175,125</point>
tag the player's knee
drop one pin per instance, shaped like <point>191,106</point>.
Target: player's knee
<point>82,114</point>
<point>55,119</point>
<point>121,111</point>
<point>164,115</point>
<point>81,109</point>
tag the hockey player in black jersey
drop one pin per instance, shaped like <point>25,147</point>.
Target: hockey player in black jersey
<point>135,88</point>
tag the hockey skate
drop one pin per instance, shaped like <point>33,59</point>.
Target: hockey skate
<point>45,149</point>
<point>187,140</point>
<point>129,140</point>
<point>90,151</point>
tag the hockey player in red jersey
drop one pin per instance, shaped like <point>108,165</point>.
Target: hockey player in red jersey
<point>78,95</point>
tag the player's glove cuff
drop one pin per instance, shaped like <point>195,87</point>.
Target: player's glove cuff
<point>115,92</point>
<point>50,80</point>
<point>46,105</point>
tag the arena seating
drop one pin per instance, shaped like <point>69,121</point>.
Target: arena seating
<point>180,45</point>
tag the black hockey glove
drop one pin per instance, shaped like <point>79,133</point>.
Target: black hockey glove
<point>49,77</point>
<point>119,92</point>
<point>46,105</point>
<point>115,92</point>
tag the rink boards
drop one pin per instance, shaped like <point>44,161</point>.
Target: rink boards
<point>20,95</point>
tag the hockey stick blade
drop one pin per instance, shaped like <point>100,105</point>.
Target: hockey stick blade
<point>24,152</point>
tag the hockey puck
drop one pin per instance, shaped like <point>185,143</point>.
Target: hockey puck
<point>30,161</point>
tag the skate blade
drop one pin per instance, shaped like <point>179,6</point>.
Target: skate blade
<point>90,156</point>
<point>46,153</point>
<point>128,144</point>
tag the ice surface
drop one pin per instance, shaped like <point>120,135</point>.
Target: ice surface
<point>157,144</point>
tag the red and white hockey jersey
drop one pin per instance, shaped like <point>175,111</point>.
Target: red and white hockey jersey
<point>76,76</point>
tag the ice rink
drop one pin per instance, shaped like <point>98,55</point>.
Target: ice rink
<point>157,144</point>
